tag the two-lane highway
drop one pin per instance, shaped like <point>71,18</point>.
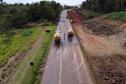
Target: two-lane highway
<point>66,65</point>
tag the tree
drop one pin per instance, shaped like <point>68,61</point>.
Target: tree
<point>105,6</point>
<point>17,15</point>
<point>1,1</point>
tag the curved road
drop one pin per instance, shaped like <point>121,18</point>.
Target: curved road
<point>66,64</point>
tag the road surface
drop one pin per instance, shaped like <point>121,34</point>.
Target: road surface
<point>65,64</point>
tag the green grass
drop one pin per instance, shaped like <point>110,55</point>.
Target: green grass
<point>20,41</point>
<point>119,16</point>
<point>89,14</point>
<point>24,73</point>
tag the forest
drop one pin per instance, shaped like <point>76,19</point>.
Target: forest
<point>105,6</point>
<point>18,14</point>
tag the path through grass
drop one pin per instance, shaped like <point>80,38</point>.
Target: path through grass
<point>18,40</point>
<point>24,73</point>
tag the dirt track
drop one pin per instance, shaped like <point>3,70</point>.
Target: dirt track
<point>7,72</point>
<point>104,48</point>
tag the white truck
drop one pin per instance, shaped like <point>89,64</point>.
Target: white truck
<point>70,32</point>
<point>57,38</point>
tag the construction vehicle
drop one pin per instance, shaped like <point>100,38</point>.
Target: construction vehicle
<point>70,32</point>
<point>67,17</point>
<point>57,38</point>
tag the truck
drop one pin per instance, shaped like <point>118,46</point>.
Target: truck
<point>57,38</point>
<point>70,32</point>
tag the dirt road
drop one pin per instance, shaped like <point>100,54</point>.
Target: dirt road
<point>65,64</point>
<point>103,42</point>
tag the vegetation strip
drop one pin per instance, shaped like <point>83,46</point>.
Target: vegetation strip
<point>18,40</point>
<point>119,16</point>
<point>24,73</point>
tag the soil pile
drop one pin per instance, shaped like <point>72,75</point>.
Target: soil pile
<point>111,69</point>
<point>100,29</point>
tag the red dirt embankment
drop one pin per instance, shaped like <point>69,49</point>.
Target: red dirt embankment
<point>103,41</point>
<point>75,17</point>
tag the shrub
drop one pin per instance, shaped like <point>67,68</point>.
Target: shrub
<point>119,16</point>
<point>27,32</point>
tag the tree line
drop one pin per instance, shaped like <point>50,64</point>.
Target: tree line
<point>16,15</point>
<point>105,6</point>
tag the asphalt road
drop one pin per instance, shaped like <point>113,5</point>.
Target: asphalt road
<point>66,64</point>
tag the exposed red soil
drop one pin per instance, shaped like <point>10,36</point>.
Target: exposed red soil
<point>75,17</point>
<point>103,41</point>
<point>100,29</point>
<point>95,45</point>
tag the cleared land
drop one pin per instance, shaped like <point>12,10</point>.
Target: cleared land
<point>103,41</point>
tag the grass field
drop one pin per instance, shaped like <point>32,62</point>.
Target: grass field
<point>119,16</point>
<point>18,40</point>
<point>24,73</point>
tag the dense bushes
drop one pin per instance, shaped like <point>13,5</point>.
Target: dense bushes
<point>89,14</point>
<point>27,32</point>
<point>119,16</point>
